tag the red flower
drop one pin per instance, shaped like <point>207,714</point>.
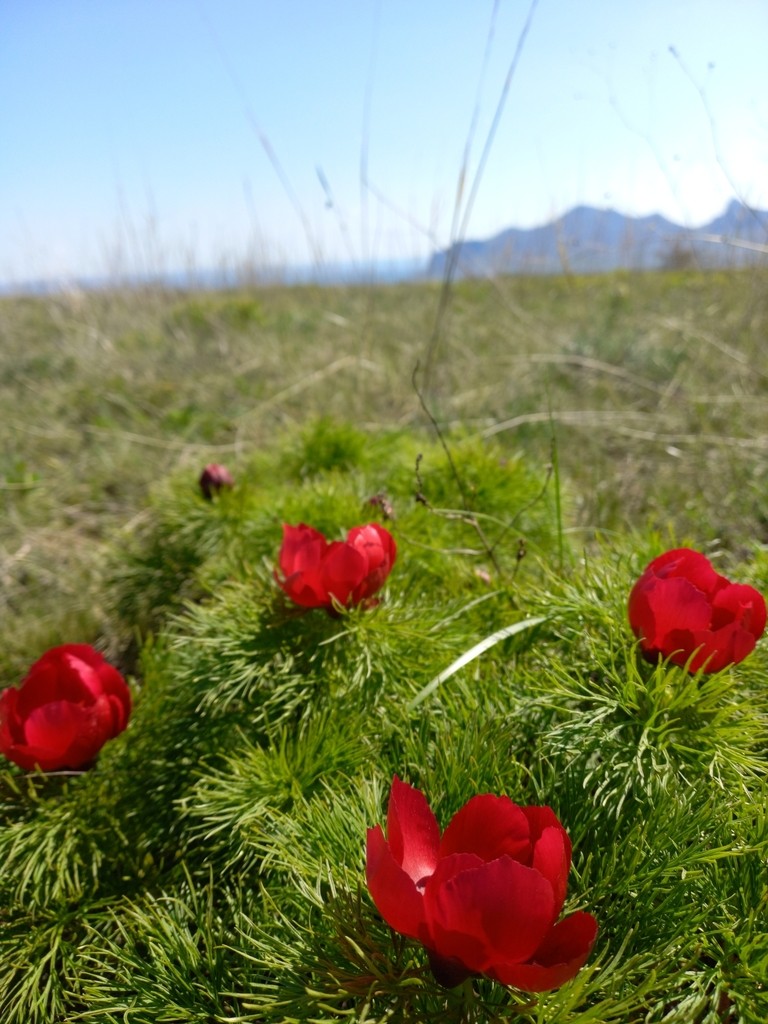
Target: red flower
<point>66,708</point>
<point>484,898</point>
<point>314,571</point>
<point>213,478</point>
<point>680,605</point>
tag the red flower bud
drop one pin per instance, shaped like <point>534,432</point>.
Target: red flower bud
<point>315,572</point>
<point>213,478</point>
<point>485,897</point>
<point>680,607</point>
<point>69,704</point>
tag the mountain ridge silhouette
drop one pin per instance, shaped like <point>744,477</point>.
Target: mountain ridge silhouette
<point>587,239</point>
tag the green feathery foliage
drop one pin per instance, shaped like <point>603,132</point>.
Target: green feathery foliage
<point>210,867</point>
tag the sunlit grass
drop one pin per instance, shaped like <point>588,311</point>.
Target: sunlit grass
<point>210,866</point>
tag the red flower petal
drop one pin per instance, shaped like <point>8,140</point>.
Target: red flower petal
<point>70,672</point>
<point>303,548</point>
<point>564,951</point>
<point>117,695</point>
<point>81,667</point>
<point>51,728</point>
<point>61,734</point>
<point>740,603</point>
<point>716,650</point>
<point>305,589</point>
<point>552,858</point>
<point>412,831</point>
<point>497,912</point>
<point>9,719</point>
<point>378,548</point>
<point>540,818</point>
<point>447,868</point>
<point>375,543</point>
<point>673,604</point>
<point>343,569</point>
<point>50,679</point>
<point>394,892</point>
<point>32,749</point>
<point>300,559</point>
<point>688,564</point>
<point>488,826</point>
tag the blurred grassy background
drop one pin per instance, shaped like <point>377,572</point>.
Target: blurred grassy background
<point>652,385</point>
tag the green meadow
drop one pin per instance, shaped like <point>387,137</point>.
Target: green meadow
<point>534,442</point>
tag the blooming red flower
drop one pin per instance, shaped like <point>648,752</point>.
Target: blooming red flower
<point>68,705</point>
<point>682,609</point>
<point>484,898</point>
<point>213,478</point>
<point>315,572</point>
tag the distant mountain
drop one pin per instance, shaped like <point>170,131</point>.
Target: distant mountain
<point>590,240</point>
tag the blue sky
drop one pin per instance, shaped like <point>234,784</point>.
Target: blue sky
<point>152,134</point>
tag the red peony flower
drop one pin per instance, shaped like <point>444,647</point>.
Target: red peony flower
<point>315,572</point>
<point>484,898</point>
<point>213,478</point>
<point>69,704</point>
<point>681,607</point>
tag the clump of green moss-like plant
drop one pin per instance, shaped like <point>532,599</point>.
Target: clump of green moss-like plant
<point>210,866</point>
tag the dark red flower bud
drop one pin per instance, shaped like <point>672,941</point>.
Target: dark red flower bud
<point>683,610</point>
<point>69,704</point>
<point>213,478</point>
<point>485,897</point>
